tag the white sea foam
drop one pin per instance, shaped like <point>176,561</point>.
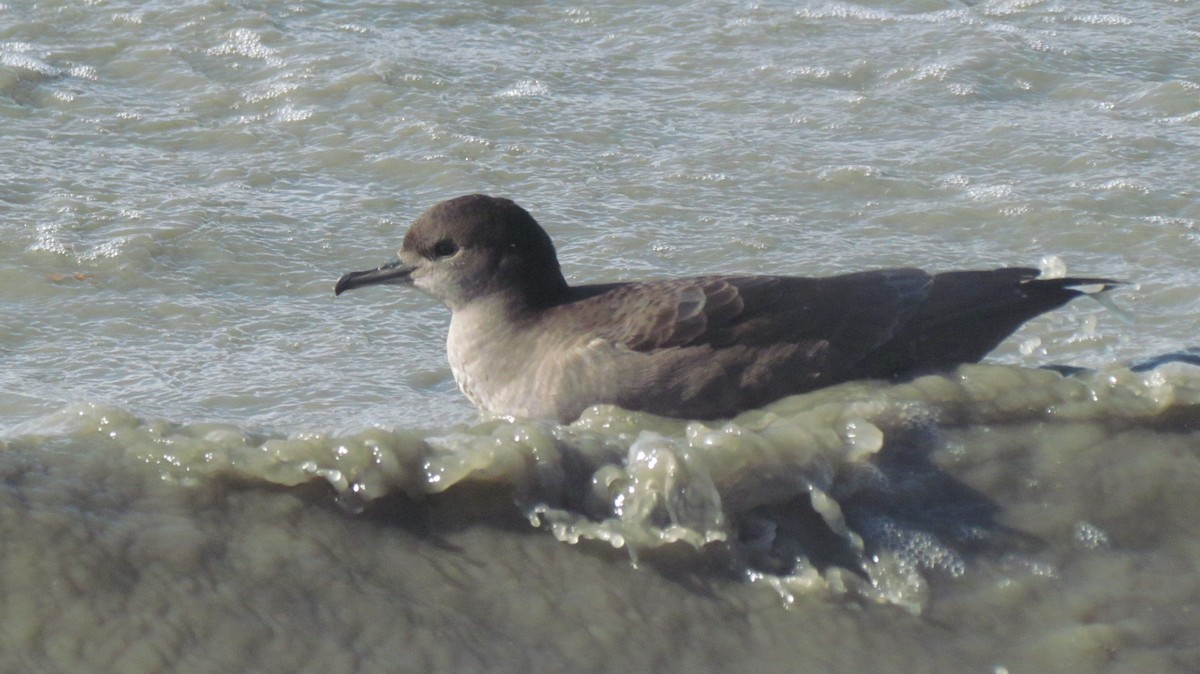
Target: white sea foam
<point>189,421</point>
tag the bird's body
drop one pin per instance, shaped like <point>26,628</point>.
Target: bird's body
<point>523,342</point>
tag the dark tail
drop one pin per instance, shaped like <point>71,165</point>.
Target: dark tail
<point>968,313</point>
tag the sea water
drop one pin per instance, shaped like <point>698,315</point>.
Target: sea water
<point>207,463</point>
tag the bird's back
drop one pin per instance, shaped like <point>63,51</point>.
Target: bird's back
<point>715,346</point>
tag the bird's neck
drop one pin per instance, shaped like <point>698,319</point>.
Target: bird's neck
<point>488,348</point>
<point>538,293</point>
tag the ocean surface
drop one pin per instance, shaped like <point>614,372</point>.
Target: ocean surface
<point>210,464</point>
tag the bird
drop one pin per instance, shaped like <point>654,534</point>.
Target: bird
<point>524,343</point>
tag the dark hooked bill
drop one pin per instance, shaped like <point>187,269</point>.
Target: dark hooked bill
<point>392,272</point>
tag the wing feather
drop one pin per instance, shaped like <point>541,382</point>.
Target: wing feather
<point>851,314</point>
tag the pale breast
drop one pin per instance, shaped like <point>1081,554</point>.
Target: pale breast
<point>532,373</point>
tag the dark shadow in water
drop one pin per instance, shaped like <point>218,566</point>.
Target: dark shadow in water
<point>774,538</point>
<point>902,502</point>
<point>1188,356</point>
<point>432,517</point>
<point>914,501</point>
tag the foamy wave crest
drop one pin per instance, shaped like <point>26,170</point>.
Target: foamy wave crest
<point>840,490</point>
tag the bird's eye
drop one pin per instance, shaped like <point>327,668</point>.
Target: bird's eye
<point>444,248</point>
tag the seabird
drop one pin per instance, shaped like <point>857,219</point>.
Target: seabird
<point>522,342</point>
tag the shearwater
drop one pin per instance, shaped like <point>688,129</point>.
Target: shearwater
<point>524,343</point>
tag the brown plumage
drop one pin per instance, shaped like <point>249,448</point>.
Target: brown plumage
<point>523,342</point>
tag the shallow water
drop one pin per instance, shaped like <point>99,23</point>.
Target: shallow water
<point>208,462</point>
